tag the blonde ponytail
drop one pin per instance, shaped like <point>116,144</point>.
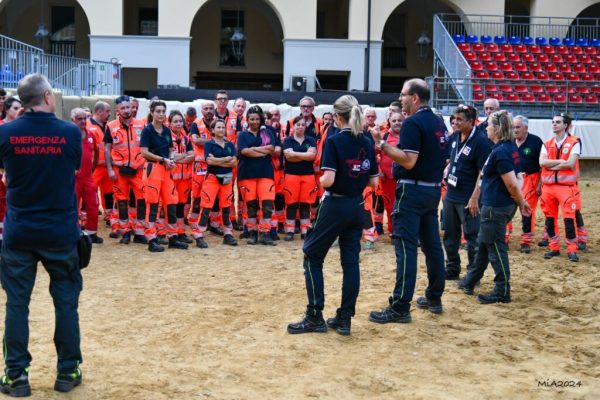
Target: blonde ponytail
<point>347,108</point>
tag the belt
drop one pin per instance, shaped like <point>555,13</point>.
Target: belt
<point>420,183</point>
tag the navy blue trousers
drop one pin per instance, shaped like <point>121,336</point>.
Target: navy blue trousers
<point>17,273</point>
<point>415,219</point>
<point>337,217</point>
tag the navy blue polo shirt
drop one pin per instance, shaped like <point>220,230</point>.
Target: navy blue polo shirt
<point>255,167</point>
<point>503,158</point>
<point>301,167</point>
<point>217,151</point>
<point>353,161</point>
<point>40,154</point>
<point>424,133</point>
<point>159,145</point>
<point>529,154</point>
<point>466,160</point>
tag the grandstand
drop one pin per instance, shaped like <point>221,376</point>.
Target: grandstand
<point>557,70</point>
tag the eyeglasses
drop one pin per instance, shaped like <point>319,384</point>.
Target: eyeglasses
<point>222,99</point>
<point>406,94</point>
<point>307,106</point>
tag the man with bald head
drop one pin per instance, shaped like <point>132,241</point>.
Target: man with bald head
<point>490,106</point>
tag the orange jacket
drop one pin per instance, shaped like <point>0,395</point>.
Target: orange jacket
<point>126,143</point>
<point>230,119</point>
<point>180,141</point>
<point>566,176</point>
<point>312,130</point>
<point>95,129</point>
<point>204,133</point>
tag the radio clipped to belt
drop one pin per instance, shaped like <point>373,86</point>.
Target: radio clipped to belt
<point>127,171</point>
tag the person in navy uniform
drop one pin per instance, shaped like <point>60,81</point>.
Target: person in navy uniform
<point>39,154</point>
<point>469,149</point>
<point>501,189</point>
<point>420,159</point>
<point>349,165</point>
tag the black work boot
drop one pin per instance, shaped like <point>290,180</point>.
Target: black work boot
<point>552,253</point>
<point>66,382</point>
<point>342,325</point>
<point>434,306</point>
<point>307,325</point>
<point>126,239</point>
<point>141,239</point>
<point>16,387</point>
<point>154,247</point>
<point>492,297</point>
<point>252,237</point>
<point>229,240</point>
<point>201,243</point>
<point>184,238</point>
<point>162,239</point>
<point>265,238</point>
<point>174,243</point>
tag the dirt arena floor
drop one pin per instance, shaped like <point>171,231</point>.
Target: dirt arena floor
<point>211,324</point>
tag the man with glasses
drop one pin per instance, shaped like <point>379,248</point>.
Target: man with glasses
<point>420,159</point>
<point>313,124</point>
<point>221,112</point>
<point>39,154</point>
<point>125,164</point>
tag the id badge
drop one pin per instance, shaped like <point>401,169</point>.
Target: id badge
<point>452,180</point>
<point>200,169</point>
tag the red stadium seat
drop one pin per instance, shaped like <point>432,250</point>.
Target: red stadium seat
<point>593,69</point>
<point>579,68</point>
<point>470,56</point>
<point>505,88</point>
<point>562,49</point>
<point>543,58</point>
<point>550,67</point>
<point>536,67</point>
<point>536,89</point>
<point>596,59</point>
<point>585,59</point>
<point>535,49</point>
<point>568,89</point>
<point>583,90</point>
<point>506,67</point>
<point>596,89</point>
<point>572,77</point>
<point>527,76</point>
<point>576,50</point>
<point>591,99</point>
<point>485,57</point>
<point>492,48</point>
<point>497,96</point>
<point>476,66</point>
<point>499,57</point>
<point>520,48</point>
<point>548,49</point>
<point>560,98</point>
<point>506,48</point>
<point>512,97</point>
<point>528,57</point>
<point>552,89</point>
<point>478,47</point>
<point>543,98</point>
<point>527,97</point>
<point>490,88</point>
<point>557,76</point>
<point>575,98</point>
<point>556,58</point>
<point>482,75</point>
<point>491,66</point>
<point>590,50</point>
<point>587,77</point>
<point>464,46</point>
<point>542,76</point>
<point>513,57</point>
<point>521,67</point>
<point>478,96</point>
<point>497,75</point>
<point>570,58</point>
<point>564,67</point>
<point>521,89</point>
<point>477,87</point>
<point>513,76</point>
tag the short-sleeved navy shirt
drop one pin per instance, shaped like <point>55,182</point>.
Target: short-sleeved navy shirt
<point>353,160</point>
<point>466,160</point>
<point>301,167</point>
<point>217,151</point>
<point>503,158</point>
<point>255,167</point>
<point>159,145</point>
<point>424,133</point>
<point>40,154</point>
<point>529,154</point>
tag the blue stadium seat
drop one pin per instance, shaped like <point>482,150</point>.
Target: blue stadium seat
<point>541,41</point>
<point>486,39</point>
<point>7,75</point>
<point>554,41</point>
<point>514,40</point>
<point>527,40</point>
<point>500,39</point>
<point>568,41</point>
<point>472,39</point>
<point>458,38</point>
<point>595,42</point>
<point>582,42</point>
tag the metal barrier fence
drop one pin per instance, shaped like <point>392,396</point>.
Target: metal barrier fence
<point>537,99</point>
<point>447,53</point>
<point>72,76</point>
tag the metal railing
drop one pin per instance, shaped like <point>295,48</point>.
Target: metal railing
<point>449,56</point>
<point>71,76</point>
<point>519,25</point>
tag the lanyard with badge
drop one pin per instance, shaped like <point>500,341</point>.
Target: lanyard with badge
<point>452,178</point>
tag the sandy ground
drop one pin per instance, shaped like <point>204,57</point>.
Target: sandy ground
<point>210,324</point>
